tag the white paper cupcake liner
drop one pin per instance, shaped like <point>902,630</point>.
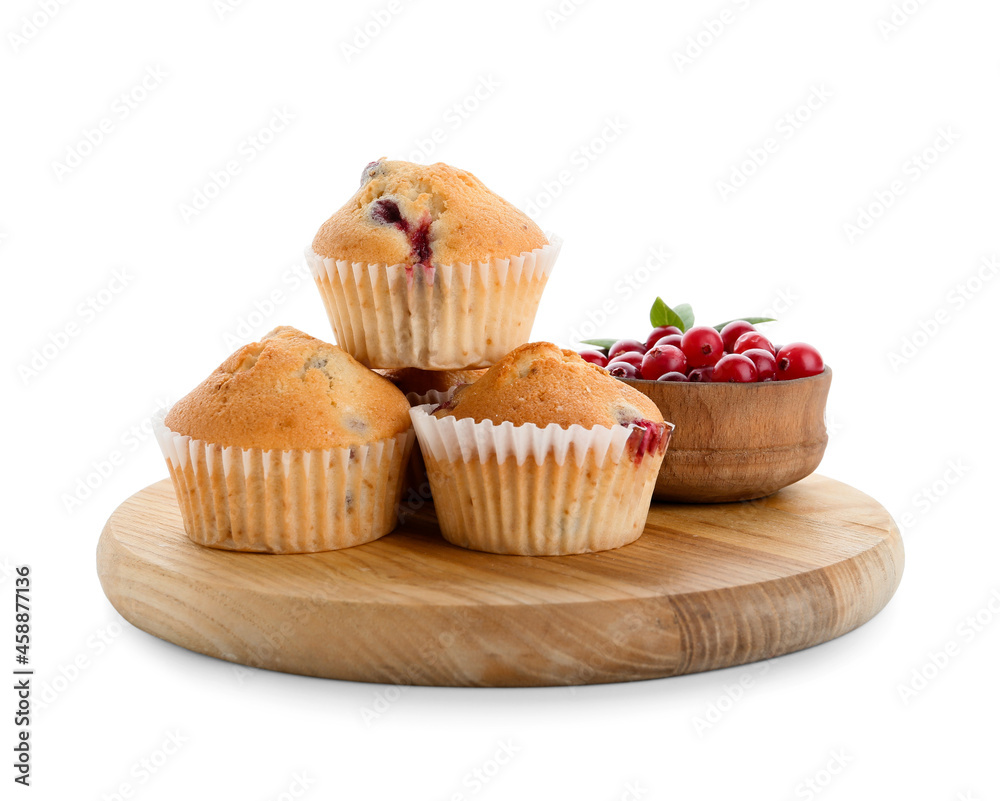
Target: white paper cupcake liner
<point>415,479</point>
<point>296,501</point>
<point>537,491</point>
<point>448,317</point>
<point>435,397</point>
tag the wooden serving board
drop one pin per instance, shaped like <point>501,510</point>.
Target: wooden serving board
<point>706,586</point>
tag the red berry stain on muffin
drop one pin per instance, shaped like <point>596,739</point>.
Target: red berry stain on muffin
<point>647,437</point>
<point>444,406</point>
<point>449,404</point>
<point>385,211</point>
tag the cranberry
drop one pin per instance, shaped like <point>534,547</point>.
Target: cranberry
<point>734,368</point>
<point>702,345</point>
<point>674,376</point>
<point>766,364</point>
<point>659,332</point>
<point>594,357</point>
<point>373,169</point>
<point>385,211</point>
<point>623,370</point>
<point>701,374</point>
<point>752,340</point>
<point>662,359</point>
<point>626,346</point>
<point>798,360</point>
<point>647,437</point>
<point>669,339</point>
<point>733,331</point>
<point>447,405</point>
<point>630,356</point>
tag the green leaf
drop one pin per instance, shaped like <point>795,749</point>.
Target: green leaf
<point>658,313</point>
<point>686,313</point>
<point>751,320</point>
<point>603,344</point>
<point>662,314</point>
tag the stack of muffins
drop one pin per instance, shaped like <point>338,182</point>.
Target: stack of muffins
<point>294,445</point>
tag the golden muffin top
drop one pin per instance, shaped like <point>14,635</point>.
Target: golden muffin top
<point>406,213</point>
<point>291,391</point>
<point>542,384</point>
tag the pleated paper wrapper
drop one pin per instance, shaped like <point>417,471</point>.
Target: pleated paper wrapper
<point>296,501</point>
<point>538,491</point>
<point>446,317</point>
<point>416,489</point>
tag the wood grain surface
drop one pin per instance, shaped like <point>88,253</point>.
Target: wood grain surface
<point>706,586</point>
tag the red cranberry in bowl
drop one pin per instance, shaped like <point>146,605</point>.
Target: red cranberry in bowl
<point>630,356</point>
<point>662,359</point>
<point>659,332</point>
<point>798,360</point>
<point>764,361</point>
<point>626,346</point>
<point>594,357</point>
<point>734,368</point>
<point>733,331</point>
<point>673,377</point>
<point>752,340</point>
<point>702,375</point>
<point>702,345</point>
<point>623,370</point>
<point>670,339</point>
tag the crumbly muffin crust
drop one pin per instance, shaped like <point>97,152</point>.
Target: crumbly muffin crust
<point>542,384</point>
<point>406,213</point>
<point>290,391</point>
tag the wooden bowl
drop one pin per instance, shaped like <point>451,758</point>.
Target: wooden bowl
<point>735,442</point>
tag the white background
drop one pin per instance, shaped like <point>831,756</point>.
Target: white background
<point>589,119</point>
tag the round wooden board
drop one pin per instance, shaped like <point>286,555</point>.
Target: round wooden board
<point>706,586</point>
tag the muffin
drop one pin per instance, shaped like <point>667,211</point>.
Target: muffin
<point>290,446</point>
<point>425,267</point>
<point>545,454</point>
